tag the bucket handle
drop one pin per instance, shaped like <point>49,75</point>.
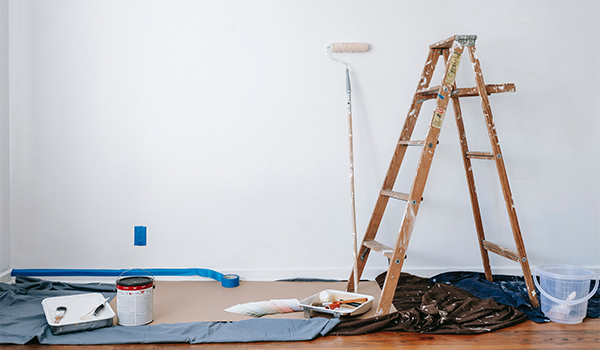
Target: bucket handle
<point>137,268</point>
<point>567,302</point>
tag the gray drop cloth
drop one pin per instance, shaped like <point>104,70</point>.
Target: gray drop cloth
<point>22,319</point>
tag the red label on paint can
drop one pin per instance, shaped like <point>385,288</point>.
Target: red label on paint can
<point>146,286</point>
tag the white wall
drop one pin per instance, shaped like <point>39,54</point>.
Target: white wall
<point>221,126</point>
<point>4,146</point>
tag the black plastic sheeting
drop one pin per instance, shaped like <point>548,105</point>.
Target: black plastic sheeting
<point>456,303</point>
<point>435,308</point>
<point>507,290</point>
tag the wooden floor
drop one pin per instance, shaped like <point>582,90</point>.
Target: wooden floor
<point>527,335</point>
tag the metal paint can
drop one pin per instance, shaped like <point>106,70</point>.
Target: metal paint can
<point>135,300</point>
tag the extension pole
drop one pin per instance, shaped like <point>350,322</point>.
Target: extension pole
<point>352,197</point>
<point>350,47</point>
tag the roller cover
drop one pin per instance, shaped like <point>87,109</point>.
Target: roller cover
<point>349,47</point>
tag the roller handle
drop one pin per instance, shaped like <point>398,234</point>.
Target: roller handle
<point>348,88</point>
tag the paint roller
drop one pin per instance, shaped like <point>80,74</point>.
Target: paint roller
<point>339,48</point>
<point>349,47</point>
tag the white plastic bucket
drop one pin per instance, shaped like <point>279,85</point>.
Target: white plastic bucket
<point>565,291</point>
<point>135,300</point>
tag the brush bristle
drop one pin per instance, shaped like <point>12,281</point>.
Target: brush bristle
<point>349,47</point>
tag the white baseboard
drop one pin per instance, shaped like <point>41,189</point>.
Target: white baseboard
<point>5,276</point>
<point>274,275</point>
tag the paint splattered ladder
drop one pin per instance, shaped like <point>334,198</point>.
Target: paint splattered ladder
<point>452,50</point>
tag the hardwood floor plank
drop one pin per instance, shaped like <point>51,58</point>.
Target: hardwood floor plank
<point>527,335</point>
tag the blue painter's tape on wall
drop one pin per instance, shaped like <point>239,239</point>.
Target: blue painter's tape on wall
<point>227,281</point>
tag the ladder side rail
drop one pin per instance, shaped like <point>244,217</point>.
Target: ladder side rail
<point>512,214</point>
<point>464,146</point>
<point>418,185</point>
<point>472,189</point>
<point>392,172</point>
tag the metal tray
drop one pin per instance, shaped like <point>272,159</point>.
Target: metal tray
<point>308,304</point>
<point>77,306</point>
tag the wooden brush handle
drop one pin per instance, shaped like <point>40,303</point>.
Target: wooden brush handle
<point>351,301</point>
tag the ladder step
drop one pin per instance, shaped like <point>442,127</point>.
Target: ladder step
<point>443,44</point>
<point>412,143</point>
<point>431,92</point>
<point>380,248</point>
<point>394,194</point>
<point>489,88</point>
<point>479,155</point>
<point>466,40</point>
<point>505,252</point>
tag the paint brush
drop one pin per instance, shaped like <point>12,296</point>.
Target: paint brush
<point>60,313</point>
<point>95,311</point>
<point>336,304</point>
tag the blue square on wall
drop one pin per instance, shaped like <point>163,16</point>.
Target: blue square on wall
<point>139,235</point>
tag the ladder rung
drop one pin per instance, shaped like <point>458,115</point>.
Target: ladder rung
<point>431,92</point>
<point>489,88</point>
<point>412,143</point>
<point>380,248</point>
<point>479,155</point>
<point>505,252</point>
<point>394,194</point>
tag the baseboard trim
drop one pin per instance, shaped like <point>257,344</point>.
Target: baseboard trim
<point>273,275</point>
<point>5,276</point>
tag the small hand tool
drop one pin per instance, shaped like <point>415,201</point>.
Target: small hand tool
<point>95,311</point>
<point>337,304</point>
<point>59,313</point>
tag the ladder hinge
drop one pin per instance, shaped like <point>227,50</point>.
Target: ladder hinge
<point>465,40</point>
<point>462,40</point>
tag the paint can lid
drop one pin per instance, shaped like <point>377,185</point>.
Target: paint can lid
<point>134,281</point>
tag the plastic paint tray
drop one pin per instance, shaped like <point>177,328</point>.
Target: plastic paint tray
<point>308,303</point>
<point>77,306</point>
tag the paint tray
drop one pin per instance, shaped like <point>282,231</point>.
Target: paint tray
<point>77,307</point>
<point>312,303</point>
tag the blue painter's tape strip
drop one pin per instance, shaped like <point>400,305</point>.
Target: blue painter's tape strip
<point>230,281</point>
<point>227,281</point>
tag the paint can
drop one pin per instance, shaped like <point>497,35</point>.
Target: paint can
<point>134,300</point>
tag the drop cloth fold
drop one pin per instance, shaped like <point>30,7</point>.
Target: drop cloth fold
<point>22,319</point>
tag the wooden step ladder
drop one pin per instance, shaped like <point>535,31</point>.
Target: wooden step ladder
<point>452,50</point>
